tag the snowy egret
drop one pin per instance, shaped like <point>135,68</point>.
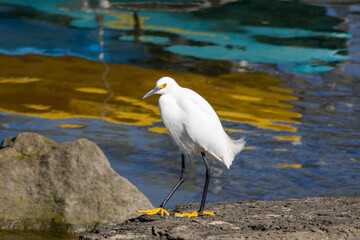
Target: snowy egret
<point>195,127</point>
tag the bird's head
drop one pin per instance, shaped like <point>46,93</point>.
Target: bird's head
<point>163,85</point>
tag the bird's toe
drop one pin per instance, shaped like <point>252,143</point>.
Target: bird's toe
<point>193,214</point>
<point>155,211</point>
<point>186,214</point>
<point>207,213</point>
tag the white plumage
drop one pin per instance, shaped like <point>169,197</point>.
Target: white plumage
<point>195,127</point>
<point>193,124</point>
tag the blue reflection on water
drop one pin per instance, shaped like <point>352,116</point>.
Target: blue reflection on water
<point>24,36</point>
<point>151,162</point>
<point>224,33</point>
<point>329,153</point>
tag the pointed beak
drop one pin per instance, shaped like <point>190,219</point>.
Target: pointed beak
<point>155,90</point>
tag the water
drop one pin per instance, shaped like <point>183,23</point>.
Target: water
<point>288,82</point>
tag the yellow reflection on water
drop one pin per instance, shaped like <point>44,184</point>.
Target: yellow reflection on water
<point>249,147</point>
<point>39,107</point>
<point>127,21</point>
<point>16,80</point>
<point>92,90</point>
<point>124,21</point>
<point>286,165</point>
<point>158,129</point>
<point>280,150</point>
<point>288,138</point>
<point>70,125</point>
<point>72,87</point>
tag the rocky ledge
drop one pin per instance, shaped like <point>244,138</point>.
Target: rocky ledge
<point>308,218</point>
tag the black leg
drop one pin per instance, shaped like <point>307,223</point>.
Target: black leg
<point>181,180</point>
<point>207,180</point>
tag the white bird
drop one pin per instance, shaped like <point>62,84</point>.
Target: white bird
<point>195,127</point>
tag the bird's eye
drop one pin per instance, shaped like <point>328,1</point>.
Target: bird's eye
<point>162,86</point>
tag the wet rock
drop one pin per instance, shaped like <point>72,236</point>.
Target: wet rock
<point>308,218</point>
<point>63,187</point>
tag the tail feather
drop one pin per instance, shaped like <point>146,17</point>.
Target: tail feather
<point>235,147</point>
<point>239,145</point>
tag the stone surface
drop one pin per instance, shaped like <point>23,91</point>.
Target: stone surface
<point>68,187</point>
<point>308,218</point>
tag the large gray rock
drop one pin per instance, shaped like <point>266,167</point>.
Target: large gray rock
<point>64,187</point>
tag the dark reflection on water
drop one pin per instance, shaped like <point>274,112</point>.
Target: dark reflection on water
<point>282,14</point>
<point>310,42</point>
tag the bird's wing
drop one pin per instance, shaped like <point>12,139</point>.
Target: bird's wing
<point>202,124</point>
<point>192,101</point>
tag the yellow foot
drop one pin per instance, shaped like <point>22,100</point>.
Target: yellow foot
<point>194,214</point>
<point>155,211</point>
